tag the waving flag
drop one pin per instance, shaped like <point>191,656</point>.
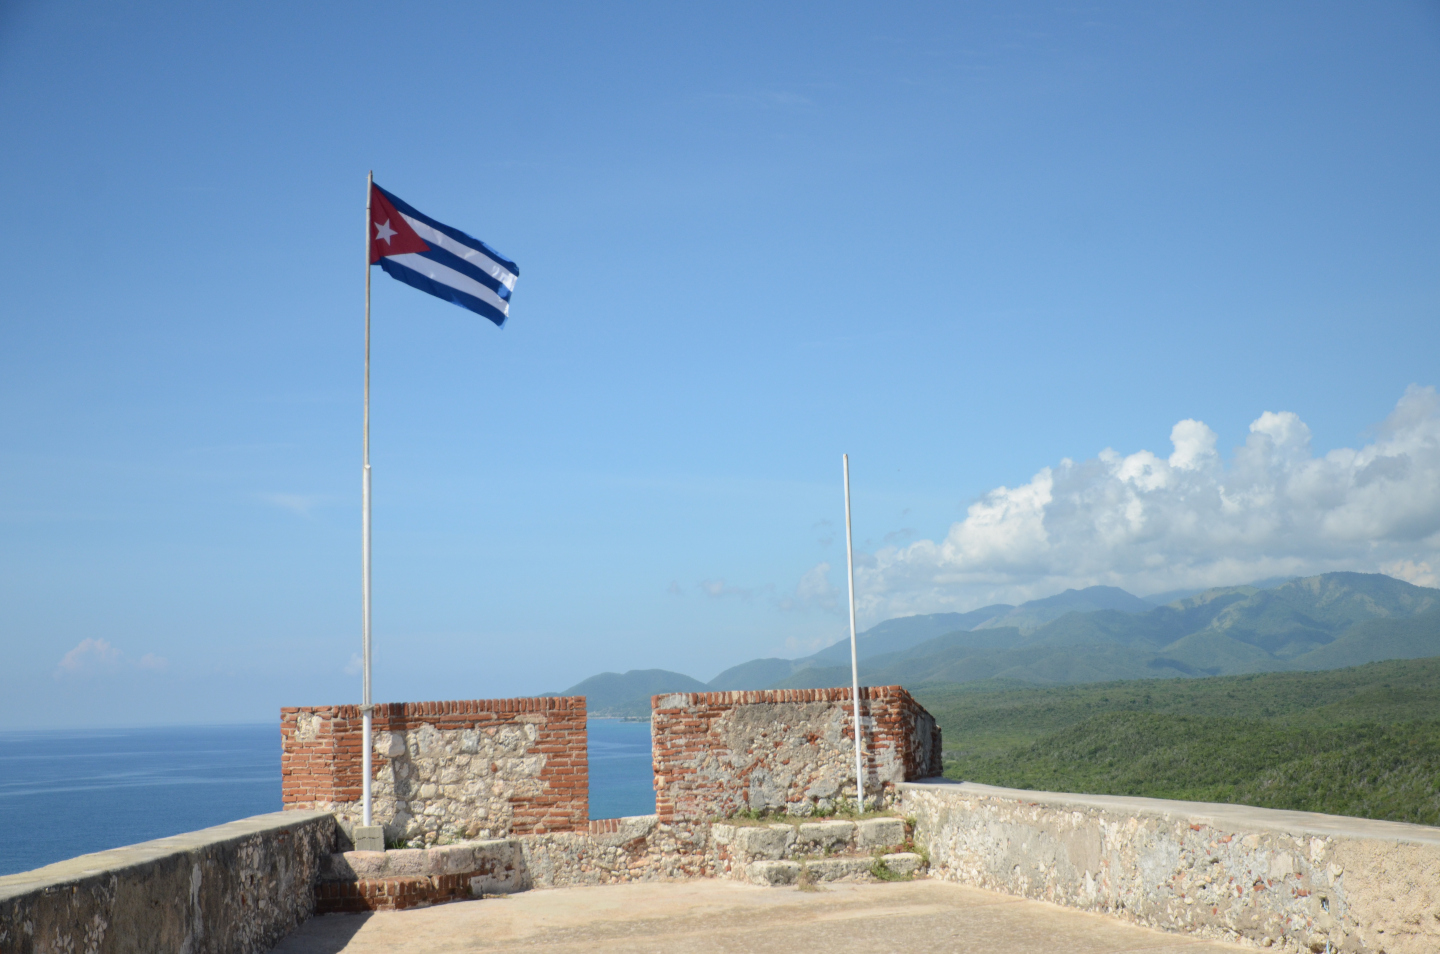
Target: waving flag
<point>438,259</point>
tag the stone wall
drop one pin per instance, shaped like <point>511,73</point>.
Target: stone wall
<point>1288,881</point>
<point>444,770</point>
<point>234,889</point>
<point>790,750</point>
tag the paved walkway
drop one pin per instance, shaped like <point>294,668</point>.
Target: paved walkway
<point>715,916</point>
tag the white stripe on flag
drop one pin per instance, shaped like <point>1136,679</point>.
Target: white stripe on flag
<point>474,256</point>
<point>448,276</point>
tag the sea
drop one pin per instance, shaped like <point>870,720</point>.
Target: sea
<point>67,793</point>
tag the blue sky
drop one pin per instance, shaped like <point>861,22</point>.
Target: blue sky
<point>963,243</point>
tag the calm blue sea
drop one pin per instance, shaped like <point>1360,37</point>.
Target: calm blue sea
<point>67,793</point>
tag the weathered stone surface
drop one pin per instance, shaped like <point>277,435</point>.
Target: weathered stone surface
<point>792,751</point>
<point>769,841</point>
<point>443,771</point>
<point>879,833</point>
<point>825,836</point>
<point>233,889</point>
<point>844,868</point>
<point>904,862</point>
<point>1292,881</point>
<point>773,872</point>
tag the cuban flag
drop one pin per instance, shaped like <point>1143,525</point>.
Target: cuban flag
<point>438,259</point>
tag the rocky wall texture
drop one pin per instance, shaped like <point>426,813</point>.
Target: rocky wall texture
<point>234,889</point>
<point>444,770</point>
<point>789,750</point>
<point>1289,881</point>
<point>417,877</point>
<point>612,851</point>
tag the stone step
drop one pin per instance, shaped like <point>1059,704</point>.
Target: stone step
<point>778,841</point>
<point>837,868</point>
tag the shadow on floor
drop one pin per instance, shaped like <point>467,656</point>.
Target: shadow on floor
<point>323,934</point>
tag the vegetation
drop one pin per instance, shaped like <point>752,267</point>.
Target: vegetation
<point>840,808</point>
<point>1363,741</point>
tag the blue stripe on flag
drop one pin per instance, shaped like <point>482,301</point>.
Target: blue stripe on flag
<point>453,295</point>
<point>450,260</point>
<point>406,209</point>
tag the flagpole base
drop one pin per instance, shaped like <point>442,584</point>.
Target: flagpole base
<point>369,838</point>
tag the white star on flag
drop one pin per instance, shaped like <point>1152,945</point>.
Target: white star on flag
<point>384,232</point>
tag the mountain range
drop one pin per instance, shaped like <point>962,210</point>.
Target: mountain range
<point>1096,634</point>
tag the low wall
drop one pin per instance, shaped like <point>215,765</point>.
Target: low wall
<point>791,750</point>
<point>444,770</point>
<point>234,889</point>
<point>1289,881</point>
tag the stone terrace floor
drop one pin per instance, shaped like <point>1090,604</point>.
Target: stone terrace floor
<point>707,915</point>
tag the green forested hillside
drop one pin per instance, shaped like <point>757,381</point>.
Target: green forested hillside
<point>1336,619</point>
<point>1362,741</point>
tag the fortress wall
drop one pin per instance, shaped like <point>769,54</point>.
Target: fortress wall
<point>790,750</point>
<point>1288,881</point>
<point>236,888</point>
<point>444,770</point>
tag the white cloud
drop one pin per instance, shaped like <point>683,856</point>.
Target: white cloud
<point>90,655</point>
<point>813,591</point>
<point>94,656</point>
<point>1411,572</point>
<point>1150,523</point>
<point>355,666</point>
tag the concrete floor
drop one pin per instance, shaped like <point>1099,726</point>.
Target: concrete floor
<point>713,916</point>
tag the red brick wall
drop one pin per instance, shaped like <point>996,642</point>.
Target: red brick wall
<point>699,775</point>
<point>321,753</point>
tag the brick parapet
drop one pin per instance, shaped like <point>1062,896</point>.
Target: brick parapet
<point>435,762</point>
<point>790,750</point>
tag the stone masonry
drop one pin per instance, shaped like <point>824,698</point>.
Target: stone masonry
<point>1287,881</point>
<point>787,750</point>
<point>444,771</point>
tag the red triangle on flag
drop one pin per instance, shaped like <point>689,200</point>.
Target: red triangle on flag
<point>390,234</point>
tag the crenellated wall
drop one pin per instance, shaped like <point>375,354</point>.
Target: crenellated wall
<point>444,770</point>
<point>787,750</point>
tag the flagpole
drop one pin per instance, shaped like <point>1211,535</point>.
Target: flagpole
<point>366,708</point>
<point>854,658</point>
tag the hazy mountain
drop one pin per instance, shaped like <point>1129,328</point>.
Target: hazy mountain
<point>902,633</point>
<point>1170,596</point>
<point>1320,622</point>
<point>1412,638</point>
<point>1036,613</point>
<point>1334,620</point>
<point>614,694</point>
<point>755,674</point>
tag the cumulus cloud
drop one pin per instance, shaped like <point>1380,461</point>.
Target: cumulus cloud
<point>92,657</point>
<point>1151,523</point>
<point>813,591</point>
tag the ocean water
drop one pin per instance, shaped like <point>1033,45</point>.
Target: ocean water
<point>68,793</point>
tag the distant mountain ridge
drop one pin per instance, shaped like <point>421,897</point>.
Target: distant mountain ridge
<point>1093,635</point>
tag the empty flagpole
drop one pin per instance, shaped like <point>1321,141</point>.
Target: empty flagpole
<point>365,531</point>
<point>854,658</point>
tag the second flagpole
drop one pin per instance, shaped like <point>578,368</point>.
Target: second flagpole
<point>366,707</point>
<point>854,657</point>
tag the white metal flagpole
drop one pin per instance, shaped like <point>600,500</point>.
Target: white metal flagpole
<point>854,659</point>
<point>366,708</point>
